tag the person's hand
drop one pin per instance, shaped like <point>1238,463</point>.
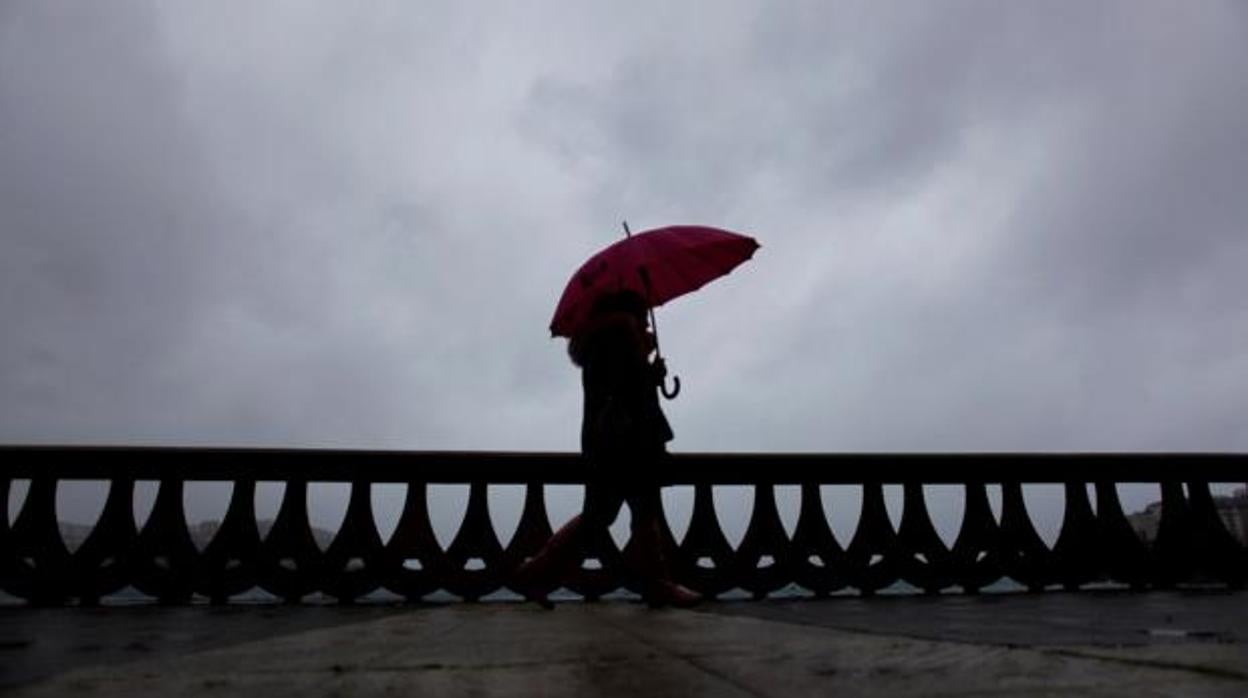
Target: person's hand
<point>648,342</point>
<point>660,369</point>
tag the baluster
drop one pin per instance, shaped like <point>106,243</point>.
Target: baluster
<point>704,559</point>
<point>924,560</point>
<point>231,563</point>
<point>1123,556</point>
<point>1075,556</point>
<point>764,537</point>
<point>874,555</point>
<point>1216,552</point>
<point>475,540</point>
<point>1172,558</point>
<point>165,557</point>
<point>817,558</point>
<point>1026,559</point>
<point>418,566</point>
<point>357,543</point>
<point>105,562</point>
<point>291,561</point>
<point>977,552</point>
<point>43,564</point>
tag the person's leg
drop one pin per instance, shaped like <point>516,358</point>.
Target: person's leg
<point>647,556</point>
<point>603,500</point>
<point>646,507</point>
<point>543,573</point>
<point>643,554</point>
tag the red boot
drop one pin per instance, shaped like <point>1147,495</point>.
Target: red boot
<point>541,574</point>
<point>665,592</point>
<point>650,561</point>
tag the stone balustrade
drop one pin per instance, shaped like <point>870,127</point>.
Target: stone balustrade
<point>1096,542</point>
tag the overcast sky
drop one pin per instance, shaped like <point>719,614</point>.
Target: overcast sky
<point>985,225</point>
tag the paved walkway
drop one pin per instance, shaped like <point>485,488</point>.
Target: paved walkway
<point>1051,644</point>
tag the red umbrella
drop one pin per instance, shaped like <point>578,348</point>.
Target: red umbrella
<point>659,265</point>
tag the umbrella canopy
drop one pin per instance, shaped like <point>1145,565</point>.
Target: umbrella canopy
<point>659,265</point>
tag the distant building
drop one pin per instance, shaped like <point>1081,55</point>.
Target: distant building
<point>1233,510</point>
<point>1146,522</point>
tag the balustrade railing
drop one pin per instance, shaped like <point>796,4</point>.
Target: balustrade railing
<point>1095,543</point>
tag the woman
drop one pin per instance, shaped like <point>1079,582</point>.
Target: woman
<point>623,437</point>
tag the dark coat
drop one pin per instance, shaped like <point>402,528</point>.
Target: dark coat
<point>622,416</point>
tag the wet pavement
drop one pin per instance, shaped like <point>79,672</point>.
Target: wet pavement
<point>1021,644</point>
<point>36,643</point>
<point>1025,620</point>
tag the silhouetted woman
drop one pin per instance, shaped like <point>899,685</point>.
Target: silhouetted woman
<point>624,437</point>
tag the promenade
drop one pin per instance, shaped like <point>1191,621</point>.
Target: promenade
<point>1087,643</point>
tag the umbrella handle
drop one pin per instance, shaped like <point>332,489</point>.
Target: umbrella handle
<point>654,325</point>
<point>670,395</point>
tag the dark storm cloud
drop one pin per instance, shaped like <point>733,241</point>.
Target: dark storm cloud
<point>155,295</point>
<point>104,203</point>
<point>983,226</point>
<point>853,106</point>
